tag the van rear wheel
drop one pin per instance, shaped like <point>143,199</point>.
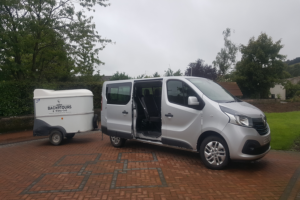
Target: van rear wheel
<point>214,153</point>
<point>56,137</point>
<point>117,141</point>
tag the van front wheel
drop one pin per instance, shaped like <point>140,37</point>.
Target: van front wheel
<point>214,153</point>
<point>117,141</point>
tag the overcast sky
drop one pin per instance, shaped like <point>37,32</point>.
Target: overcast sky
<point>153,35</point>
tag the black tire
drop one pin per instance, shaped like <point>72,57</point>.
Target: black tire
<point>95,121</point>
<point>56,137</point>
<point>70,136</point>
<point>117,141</point>
<point>217,153</point>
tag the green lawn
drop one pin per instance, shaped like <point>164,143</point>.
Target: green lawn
<point>285,128</point>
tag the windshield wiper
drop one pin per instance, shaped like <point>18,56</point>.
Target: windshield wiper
<point>230,101</point>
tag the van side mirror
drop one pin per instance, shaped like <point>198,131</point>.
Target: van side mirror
<point>193,101</point>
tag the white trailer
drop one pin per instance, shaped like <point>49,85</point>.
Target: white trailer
<point>63,113</point>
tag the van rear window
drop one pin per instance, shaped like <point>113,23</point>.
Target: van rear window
<point>118,93</point>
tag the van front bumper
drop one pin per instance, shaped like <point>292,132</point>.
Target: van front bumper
<point>246,143</point>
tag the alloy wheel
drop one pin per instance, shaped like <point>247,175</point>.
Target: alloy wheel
<point>215,153</point>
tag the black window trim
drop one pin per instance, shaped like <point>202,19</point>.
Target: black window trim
<point>200,102</point>
<point>119,84</point>
<point>151,80</point>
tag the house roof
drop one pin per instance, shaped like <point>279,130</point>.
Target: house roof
<point>232,88</point>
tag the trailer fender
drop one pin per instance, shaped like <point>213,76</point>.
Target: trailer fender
<point>42,128</point>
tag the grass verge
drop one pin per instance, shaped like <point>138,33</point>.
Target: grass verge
<point>285,129</point>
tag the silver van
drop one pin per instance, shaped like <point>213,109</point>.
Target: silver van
<point>186,112</point>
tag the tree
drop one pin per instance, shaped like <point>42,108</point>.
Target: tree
<point>200,69</point>
<point>293,70</point>
<point>156,74</point>
<point>170,72</point>
<point>294,61</point>
<point>226,57</point>
<point>119,76</point>
<point>178,73</point>
<point>261,66</point>
<point>38,36</point>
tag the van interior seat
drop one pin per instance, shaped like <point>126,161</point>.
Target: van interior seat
<point>150,104</point>
<point>148,121</point>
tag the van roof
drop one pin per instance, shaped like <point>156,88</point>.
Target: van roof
<point>43,94</point>
<point>155,78</point>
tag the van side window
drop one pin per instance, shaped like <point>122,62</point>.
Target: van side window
<point>178,93</point>
<point>118,93</point>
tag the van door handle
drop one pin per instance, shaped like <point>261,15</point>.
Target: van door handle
<point>125,112</point>
<point>169,115</point>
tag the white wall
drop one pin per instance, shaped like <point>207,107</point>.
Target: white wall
<point>278,89</point>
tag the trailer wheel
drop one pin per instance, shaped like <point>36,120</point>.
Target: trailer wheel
<point>117,141</point>
<point>56,137</point>
<point>70,136</point>
<point>95,121</point>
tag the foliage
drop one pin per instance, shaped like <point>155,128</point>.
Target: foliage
<point>286,74</point>
<point>156,74</point>
<point>200,69</point>
<point>140,76</point>
<point>291,90</point>
<point>47,39</point>
<point>226,57</point>
<point>278,96</point>
<point>294,61</point>
<point>261,66</point>
<point>87,78</point>
<point>170,72</point>
<point>285,128</point>
<point>17,97</point>
<point>178,73</point>
<point>119,76</point>
<point>293,70</point>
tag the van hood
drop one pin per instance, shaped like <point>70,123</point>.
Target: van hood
<point>242,108</point>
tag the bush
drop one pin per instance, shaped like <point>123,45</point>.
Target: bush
<point>291,90</point>
<point>17,97</point>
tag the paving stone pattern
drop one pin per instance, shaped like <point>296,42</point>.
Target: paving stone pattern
<point>90,168</point>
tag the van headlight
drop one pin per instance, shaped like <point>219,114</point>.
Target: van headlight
<point>236,118</point>
<point>239,120</point>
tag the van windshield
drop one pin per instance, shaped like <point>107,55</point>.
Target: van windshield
<point>212,90</point>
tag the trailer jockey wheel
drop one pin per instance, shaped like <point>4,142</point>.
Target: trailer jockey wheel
<point>55,137</point>
<point>95,121</point>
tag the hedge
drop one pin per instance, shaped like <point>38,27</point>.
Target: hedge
<point>16,98</point>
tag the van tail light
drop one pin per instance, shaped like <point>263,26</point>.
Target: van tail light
<point>101,103</point>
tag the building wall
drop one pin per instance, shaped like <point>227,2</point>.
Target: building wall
<point>278,89</point>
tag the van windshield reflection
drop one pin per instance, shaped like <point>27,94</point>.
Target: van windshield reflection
<point>212,90</point>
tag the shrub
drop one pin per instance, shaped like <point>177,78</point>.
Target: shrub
<point>291,89</point>
<point>16,98</point>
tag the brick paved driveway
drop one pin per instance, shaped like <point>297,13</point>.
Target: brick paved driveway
<point>89,168</point>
